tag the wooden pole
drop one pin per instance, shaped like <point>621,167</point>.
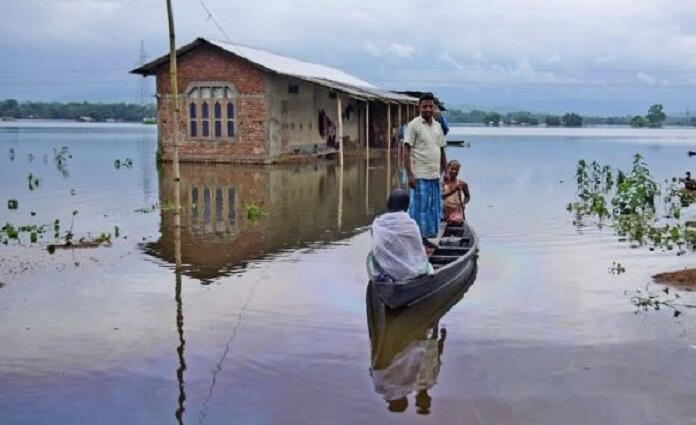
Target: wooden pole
<point>367,130</point>
<point>398,141</point>
<point>340,197</point>
<point>389,140</point>
<point>389,128</point>
<point>339,134</point>
<point>174,89</point>
<point>367,157</point>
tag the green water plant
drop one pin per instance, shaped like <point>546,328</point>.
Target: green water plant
<point>630,202</point>
<point>126,163</point>
<point>165,206</point>
<point>646,300</point>
<point>12,204</point>
<point>33,181</point>
<point>254,212</point>
<point>60,158</point>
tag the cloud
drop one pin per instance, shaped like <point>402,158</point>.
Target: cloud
<point>401,50</point>
<point>395,49</point>
<point>648,79</point>
<point>447,58</point>
<point>568,51</point>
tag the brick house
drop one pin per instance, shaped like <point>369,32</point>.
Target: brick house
<point>244,105</point>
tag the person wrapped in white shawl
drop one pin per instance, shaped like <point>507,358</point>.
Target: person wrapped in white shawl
<point>397,249</point>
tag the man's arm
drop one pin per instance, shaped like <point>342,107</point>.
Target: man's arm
<point>443,161</point>
<point>407,165</point>
<point>443,124</point>
<point>467,195</point>
<point>409,141</point>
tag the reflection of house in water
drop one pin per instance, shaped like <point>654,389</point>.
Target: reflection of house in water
<point>300,205</point>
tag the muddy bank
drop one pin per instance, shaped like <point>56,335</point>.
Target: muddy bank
<point>685,278</point>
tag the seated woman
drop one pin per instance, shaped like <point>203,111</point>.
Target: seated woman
<point>397,251</point>
<point>452,190</point>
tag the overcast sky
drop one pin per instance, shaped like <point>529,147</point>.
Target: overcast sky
<point>591,56</point>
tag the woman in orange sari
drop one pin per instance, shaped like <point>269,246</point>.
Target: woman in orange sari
<point>452,190</point>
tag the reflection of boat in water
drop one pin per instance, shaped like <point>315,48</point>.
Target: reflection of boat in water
<point>407,345</point>
<point>454,259</point>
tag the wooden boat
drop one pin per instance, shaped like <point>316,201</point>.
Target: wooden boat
<point>454,260</point>
<point>461,143</point>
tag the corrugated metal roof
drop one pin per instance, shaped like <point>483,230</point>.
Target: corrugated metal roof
<point>289,66</point>
<point>319,74</point>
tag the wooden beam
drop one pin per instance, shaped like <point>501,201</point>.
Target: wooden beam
<point>339,134</point>
<point>367,130</point>
<point>389,128</point>
<point>398,141</point>
<point>389,139</point>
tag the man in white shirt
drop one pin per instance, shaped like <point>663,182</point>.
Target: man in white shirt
<point>425,161</point>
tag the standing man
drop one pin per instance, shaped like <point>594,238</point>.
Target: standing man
<point>425,161</point>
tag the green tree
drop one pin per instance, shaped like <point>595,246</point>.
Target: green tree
<point>656,116</point>
<point>552,121</point>
<point>638,121</point>
<point>572,119</point>
<point>492,118</point>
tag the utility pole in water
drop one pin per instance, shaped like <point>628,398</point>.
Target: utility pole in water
<point>174,98</point>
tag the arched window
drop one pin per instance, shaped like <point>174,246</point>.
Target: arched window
<point>220,97</point>
<point>193,122</point>
<point>205,120</point>
<point>230,119</point>
<point>218,120</point>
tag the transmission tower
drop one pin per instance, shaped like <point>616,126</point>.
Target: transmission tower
<point>141,92</point>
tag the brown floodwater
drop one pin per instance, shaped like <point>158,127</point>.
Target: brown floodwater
<point>270,320</point>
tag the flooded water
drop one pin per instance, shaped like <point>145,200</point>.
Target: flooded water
<point>269,320</point>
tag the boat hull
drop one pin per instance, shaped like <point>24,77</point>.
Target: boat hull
<point>403,294</point>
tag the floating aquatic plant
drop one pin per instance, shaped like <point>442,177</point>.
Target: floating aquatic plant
<point>646,300</point>
<point>127,163</point>
<point>617,268</point>
<point>60,158</point>
<point>165,206</point>
<point>33,181</point>
<point>254,212</point>
<point>12,204</point>
<point>630,205</point>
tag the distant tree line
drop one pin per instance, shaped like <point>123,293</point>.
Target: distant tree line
<point>76,110</point>
<point>656,117</point>
<point>520,118</point>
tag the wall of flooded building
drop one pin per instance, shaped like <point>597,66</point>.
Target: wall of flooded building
<point>295,109</point>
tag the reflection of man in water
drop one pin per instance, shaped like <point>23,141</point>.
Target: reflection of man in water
<point>415,368</point>
<point>430,369</point>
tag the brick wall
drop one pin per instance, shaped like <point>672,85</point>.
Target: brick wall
<point>208,63</point>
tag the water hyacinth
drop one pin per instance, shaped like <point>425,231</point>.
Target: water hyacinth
<point>628,202</point>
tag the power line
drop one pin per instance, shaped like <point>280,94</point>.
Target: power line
<point>215,21</point>
<point>141,88</point>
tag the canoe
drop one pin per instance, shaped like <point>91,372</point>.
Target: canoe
<point>454,260</point>
<point>462,143</point>
<point>392,330</point>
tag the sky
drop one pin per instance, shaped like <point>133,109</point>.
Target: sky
<point>608,57</point>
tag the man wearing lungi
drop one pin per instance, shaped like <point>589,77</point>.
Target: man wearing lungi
<point>425,161</point>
